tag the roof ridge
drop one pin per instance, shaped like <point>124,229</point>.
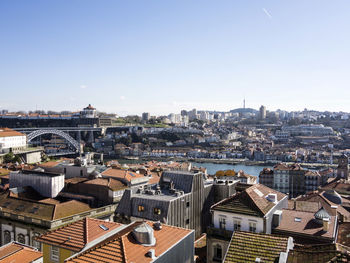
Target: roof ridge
<point>86,230</point>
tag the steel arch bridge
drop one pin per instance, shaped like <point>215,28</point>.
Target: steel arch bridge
<point>64,135</point>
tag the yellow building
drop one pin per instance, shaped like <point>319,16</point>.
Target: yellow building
<point>62,243</point>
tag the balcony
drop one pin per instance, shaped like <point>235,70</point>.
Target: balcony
<point>219,233</point>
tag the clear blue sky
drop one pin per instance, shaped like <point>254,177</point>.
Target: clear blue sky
<point>162,56</point>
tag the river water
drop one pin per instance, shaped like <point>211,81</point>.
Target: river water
<point>212,168</point>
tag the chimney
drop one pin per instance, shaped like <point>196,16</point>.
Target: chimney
<point>325,224</point>
<point>334,210</point>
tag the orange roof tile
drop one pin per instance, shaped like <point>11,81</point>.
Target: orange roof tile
<point>122,174</point>
<point>15,252</point>
<point>75,236</point>
<point>6,132</point>
<point>123,247</point>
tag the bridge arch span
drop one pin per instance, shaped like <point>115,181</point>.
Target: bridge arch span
<point>62,134</point>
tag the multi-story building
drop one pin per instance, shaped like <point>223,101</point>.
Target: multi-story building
<point>60,244</point>
<point>11,140</point>
<point>343,167</point>
<point>288,179</point>
<point>312,181</point>
<point>22,217</point>
<point>146,116</point>
<point>180,199</point>
<point>262,112</point>
<point>253,209</point>
<point>46,184</point>
<point>266,177</point>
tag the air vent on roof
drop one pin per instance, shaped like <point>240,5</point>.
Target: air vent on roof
<point>104,227</point>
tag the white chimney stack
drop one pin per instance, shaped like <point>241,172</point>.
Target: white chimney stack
<point>325,224</point>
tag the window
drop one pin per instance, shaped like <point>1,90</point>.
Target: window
<point>7,237</point>
<point>222,222</point>
<point>236,225</point>
<point>252,227</point>
<point>217,252</point>
<point>55,254</point>
<point>35,243</point>
<point>187,221</point>
<point>156,211</point>
<point>188,204</point>
<point>141,208</point>
<point>21,238</point>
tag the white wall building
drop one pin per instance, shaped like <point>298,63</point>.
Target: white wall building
<point>46,184</point>
<point>11,139</point>
<point>255,209</point>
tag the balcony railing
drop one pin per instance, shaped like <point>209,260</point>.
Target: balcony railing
<point>223,233</point>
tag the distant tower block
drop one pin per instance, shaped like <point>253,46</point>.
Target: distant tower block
<point>244,103</point>
<point>262,112</point>
<point>343,167</point>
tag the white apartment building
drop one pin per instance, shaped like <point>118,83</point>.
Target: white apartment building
<point>11,139</point>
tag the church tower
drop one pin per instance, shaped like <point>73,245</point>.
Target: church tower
<point>343,167</point>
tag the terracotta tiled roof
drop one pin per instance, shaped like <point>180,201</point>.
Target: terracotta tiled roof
<point>327,204</point>
<point>41,210</point>
<point>305,225</point>
<point>6,132</point>
<point>69,208</point>
<point>122,247</point>
<point>307,206</point>
<point>251,201</point>
<point>49,164</point>
<point>122,174</point>
<point>317,254</point>
<point>246,247</point>
<point>285,167</point>
<point>76,235</point>
<point>15,252</point>
<point>343,234</point>
<point>110,182</point>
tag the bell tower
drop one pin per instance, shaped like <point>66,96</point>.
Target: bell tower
<point>343,167</point>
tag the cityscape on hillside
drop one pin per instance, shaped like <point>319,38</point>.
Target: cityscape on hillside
<point>151,160</point>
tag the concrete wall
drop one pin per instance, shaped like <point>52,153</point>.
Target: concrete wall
<point>33,157</point>
<point>269,216</point>
<point>46,185</point>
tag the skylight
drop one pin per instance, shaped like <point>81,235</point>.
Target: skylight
<point>258,192</point>
<point>104,227</point>
<point>297,219</point>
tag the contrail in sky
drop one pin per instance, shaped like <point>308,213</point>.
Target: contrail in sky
<point>267,13</point>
